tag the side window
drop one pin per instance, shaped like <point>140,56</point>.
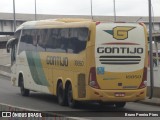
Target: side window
<point>41,36</point>
<point>78,39</point>
<point>57,40</point>
<point>28,41</point>
<point>62,40</point>
<point>53,40</point>
<point>34,39</point>
<point>16,36</point>
<point>64,33</point>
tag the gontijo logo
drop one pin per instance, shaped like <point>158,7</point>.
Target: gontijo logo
<point>120,32</point>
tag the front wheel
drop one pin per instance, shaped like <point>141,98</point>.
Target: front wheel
<point>24,92</point>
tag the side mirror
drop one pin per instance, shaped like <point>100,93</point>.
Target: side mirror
<point>9,43</point>
<point>8,50</point>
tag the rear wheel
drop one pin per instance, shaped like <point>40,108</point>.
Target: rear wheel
<point>102,104</point>
<point>71,102</point>
<point>24,92</point>
<point>120,104</point>
<point>61,94</point>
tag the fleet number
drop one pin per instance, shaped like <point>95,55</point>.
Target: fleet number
<point>133,76</point>
<point>79,63</point>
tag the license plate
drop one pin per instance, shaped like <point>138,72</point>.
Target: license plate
<point>119,94</point>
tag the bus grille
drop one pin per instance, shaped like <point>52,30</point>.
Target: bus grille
<point>120,60</point>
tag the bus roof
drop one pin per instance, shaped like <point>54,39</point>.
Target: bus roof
<point>54,22</point>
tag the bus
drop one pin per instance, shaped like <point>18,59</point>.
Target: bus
<point>81,60</point>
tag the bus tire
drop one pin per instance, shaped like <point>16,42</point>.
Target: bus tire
<point>71,102</point>
<point>60,94</point>
<point>24,92</point>
<point>120,104</point>
<point>103,104</point>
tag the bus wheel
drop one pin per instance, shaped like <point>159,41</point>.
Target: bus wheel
<point>60,94</point>
<point>120,104</point>
<point>24,92</point>
<point>71,102</point>
<point>103,104</point>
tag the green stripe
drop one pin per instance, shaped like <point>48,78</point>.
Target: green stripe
<point>36,69</point>
<point>39,68</point>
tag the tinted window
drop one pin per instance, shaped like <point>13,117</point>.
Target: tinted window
<point>41,36</point>
<point>28,41</point>
<point>61,40</point>
<point>78,39</point>
<point>70,40</point>
<point>57,40</point>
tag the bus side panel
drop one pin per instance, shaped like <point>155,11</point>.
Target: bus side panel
<point>64,67</point>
